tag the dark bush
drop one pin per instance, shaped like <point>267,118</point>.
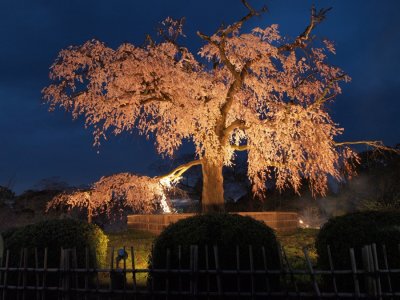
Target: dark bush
<point>226,231</point>
<point>355,231</point>
<point>54,235</point>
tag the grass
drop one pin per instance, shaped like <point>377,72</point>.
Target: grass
<point>294,243</point>
<point>141,241</point>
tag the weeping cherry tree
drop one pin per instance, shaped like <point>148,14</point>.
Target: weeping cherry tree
<point>253,91</point>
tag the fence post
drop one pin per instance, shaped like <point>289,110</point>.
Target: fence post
<point>368,267</point>
<point>133,271</point>
<point>335,290</point>
<point>266,271</point>
<point>86,272</point>
<point>191,284</point>
<point>66,274</point>
<point>217,269</point>
<point>377,272</point>
<point>124,271</point>
<point>312,274</point>
<point>37,274</point>
<point>6,274</point>
<point>24,274</point>
<point>292,277</point>
<point>251,262</point>
<point>238,270</point>
<point>168,266</point>
<point>354,271</point>
<point>385,260</point>
<point>74,272</point>
<point>207,273</point>
<point>21,260</point>
<point>179,269</point>
<point>193,269</point>
<point>44,274</point>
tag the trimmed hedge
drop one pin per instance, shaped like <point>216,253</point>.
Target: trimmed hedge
<point>57,234</point>
<point>355,231</point>
<point>227,231</point>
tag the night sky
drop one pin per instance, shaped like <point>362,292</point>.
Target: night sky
<point>36,144</point>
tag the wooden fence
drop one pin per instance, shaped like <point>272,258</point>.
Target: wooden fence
<point>32,278</point>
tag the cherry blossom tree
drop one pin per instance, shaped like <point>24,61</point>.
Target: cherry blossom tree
<point>253,91</point>
<point>140,193</point>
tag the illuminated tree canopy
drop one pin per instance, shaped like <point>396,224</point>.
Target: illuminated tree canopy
<point>140,193</point>
<point>242,91</point>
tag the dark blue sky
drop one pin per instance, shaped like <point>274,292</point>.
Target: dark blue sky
<point>36,144</point>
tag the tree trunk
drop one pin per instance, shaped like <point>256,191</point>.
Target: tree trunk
<point>89,216</point>
<point>212,198</point>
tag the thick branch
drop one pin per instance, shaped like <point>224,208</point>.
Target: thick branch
<point>239,147</point>
<point>237,124</point>
<point>221,48</point>
<point>178,171</point>
<point>238,76</point>
<point>236,84</point>
<point>154,99</point>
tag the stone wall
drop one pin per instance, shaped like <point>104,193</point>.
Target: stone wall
<point>282,222</point>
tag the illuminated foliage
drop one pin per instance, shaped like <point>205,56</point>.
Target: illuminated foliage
<point>254,91</point>
<point>140,193</point>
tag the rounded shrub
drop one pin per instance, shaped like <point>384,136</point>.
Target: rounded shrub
<point>355,231</point>
<point>233,236</point>
<point>55,235</point>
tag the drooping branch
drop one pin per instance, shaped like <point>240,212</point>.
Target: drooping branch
<point>178,171</point>
<point>378,145</point>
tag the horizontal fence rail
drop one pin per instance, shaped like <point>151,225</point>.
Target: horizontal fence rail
<point>196,273</point>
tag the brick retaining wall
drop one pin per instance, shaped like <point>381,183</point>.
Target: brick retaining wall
<point>282,222</point>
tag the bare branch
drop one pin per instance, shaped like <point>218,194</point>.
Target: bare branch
<point>224,32</point>
<point>205,37</point>
<point>316,18</point>
<point>237,25</point>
